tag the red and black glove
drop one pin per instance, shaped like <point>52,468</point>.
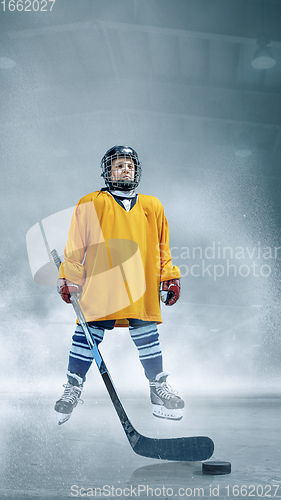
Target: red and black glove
<point>170,291</point>
<point>66,288</point>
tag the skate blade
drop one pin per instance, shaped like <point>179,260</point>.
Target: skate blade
<point>63,417</point>
<point>168,414</point>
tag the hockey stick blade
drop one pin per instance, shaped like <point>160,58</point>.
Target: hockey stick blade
<point>183,449</point>
<point>188,449</point>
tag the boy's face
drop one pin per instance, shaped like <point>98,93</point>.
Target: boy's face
<point>123,169</point>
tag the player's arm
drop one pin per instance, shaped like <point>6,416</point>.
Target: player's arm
<point>169,274</point>
<point>71,273</point>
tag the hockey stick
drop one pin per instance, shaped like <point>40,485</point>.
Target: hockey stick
<point>180,449</point>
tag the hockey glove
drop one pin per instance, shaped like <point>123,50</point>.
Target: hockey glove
<point>66,288</point>
<point>170,291</point>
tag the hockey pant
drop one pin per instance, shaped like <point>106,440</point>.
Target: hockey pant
<point>143,333</point>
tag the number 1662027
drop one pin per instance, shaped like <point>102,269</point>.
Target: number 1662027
<point>28,5</point>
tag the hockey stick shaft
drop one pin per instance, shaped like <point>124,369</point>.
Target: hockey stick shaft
<point>81,317</point>
<point>97,356</point>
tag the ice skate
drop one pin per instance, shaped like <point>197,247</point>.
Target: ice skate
<point>70,398</point>
<point>166,402</point>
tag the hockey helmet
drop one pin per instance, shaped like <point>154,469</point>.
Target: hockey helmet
<point>115,153</point>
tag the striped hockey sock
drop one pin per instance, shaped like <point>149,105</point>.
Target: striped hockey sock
<point>80,356</point>
<point>146,338</point>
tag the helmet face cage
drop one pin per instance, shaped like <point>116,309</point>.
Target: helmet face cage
<point>124,154</point>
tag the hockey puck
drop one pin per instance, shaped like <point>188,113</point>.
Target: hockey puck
<point>216,468</point>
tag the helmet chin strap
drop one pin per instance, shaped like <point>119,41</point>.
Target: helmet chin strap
<point>121,185</point>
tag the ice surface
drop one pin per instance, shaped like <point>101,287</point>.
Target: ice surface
<point>90,453</point>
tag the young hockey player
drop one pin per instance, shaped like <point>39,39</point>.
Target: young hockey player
<point>117,257</point>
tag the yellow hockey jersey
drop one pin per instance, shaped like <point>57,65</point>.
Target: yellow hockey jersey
<point>118,257</point>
